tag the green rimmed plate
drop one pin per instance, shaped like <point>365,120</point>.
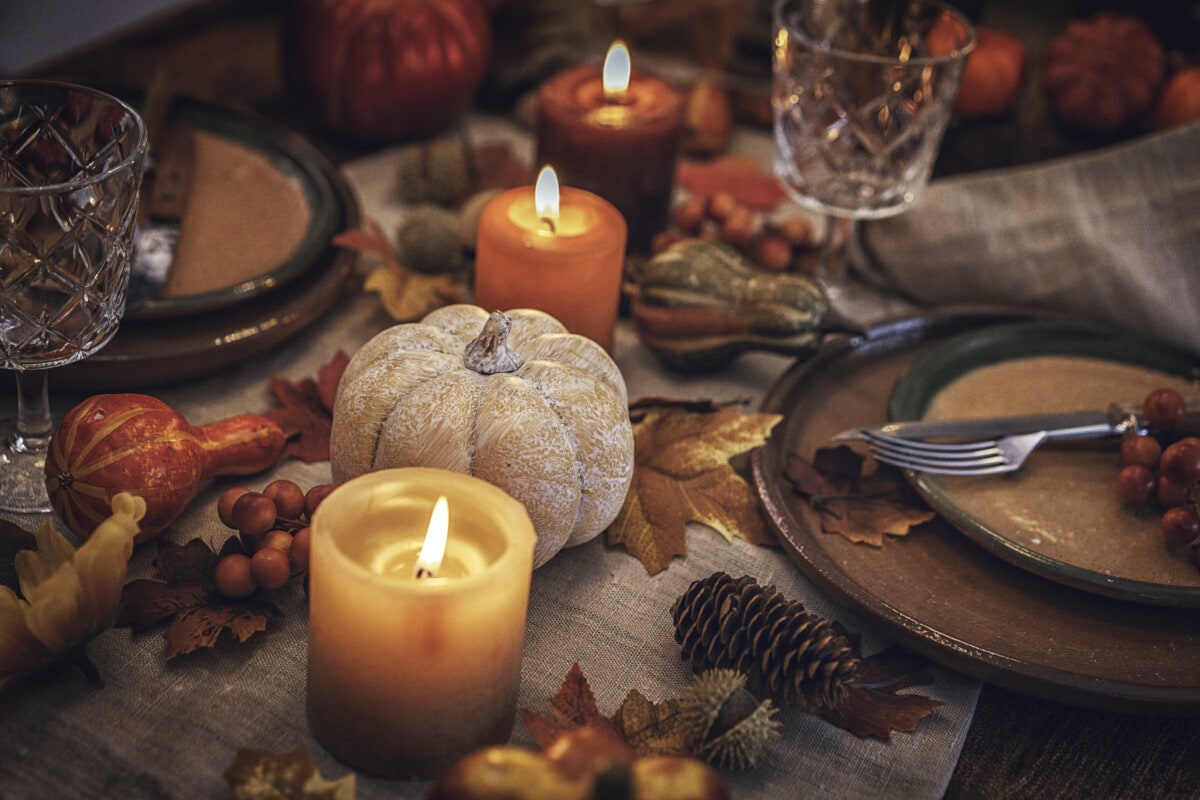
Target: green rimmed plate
<point>1060,516</point>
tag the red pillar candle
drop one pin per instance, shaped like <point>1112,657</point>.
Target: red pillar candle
<point>561,251</point>
<point>620,142</point>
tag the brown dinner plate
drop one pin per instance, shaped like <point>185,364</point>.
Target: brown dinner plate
<point>940,593</point>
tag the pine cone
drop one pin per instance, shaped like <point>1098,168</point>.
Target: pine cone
<point>785,652</point>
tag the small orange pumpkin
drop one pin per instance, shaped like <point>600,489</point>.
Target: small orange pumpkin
<point>135,443</point>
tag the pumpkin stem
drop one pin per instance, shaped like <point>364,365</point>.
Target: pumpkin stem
<point>490,353</point>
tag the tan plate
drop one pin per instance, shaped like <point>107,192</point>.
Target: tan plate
<point>262,206</point>
<point>156,352</point>
<point>940,593</point>
<point>1060,515</point>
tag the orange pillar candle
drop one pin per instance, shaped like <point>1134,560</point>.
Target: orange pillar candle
<point>561,251</point>
<point>616,133</point>
<point>414,658</point>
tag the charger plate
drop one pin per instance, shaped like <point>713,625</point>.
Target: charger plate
<point>938,592</point>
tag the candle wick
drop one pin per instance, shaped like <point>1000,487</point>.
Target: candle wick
<point>549,224</point>
<point>423,571</point>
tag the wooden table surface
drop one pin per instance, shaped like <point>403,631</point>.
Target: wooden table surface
<point>227,51</point>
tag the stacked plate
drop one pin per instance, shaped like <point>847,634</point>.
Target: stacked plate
<point>254,263</point>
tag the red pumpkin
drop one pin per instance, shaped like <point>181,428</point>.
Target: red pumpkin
<point>135,443</point>
<point>379,70</point>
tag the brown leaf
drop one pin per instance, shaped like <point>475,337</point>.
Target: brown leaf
<point>574,706</point>
<point>682,474</point>
<point>146,604</point>
<point>262,775</point>
<point>305,409</point>
<point>652,729</point>
<point>857,498</point>
<point>201,626</point>
<point>187,601</point>
<point>872,708</point>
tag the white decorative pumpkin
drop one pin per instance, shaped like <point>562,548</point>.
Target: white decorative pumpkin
<point>510,398</point>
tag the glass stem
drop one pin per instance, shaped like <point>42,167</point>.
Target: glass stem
<point>833,267</point>
<point>34,424</point>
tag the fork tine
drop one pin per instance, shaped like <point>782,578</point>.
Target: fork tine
<point>901,444</point>
<point>944,467</point>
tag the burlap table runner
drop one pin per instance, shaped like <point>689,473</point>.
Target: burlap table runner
<point>158,730</point>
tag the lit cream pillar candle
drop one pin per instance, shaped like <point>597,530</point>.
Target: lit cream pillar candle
<point>560,250</point>
<point>406,674</point>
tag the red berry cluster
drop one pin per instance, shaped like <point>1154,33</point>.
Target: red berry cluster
<point>774,246</point>
<point>1168,474</point>
<point>273,525</point>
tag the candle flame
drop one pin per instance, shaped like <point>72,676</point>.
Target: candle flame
<point>617,70</point>
<point>545,196</point>
<point>434,547</point>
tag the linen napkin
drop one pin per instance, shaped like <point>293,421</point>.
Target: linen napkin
<point>1110,236</point>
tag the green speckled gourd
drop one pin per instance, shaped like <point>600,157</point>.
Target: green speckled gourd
<point>510,398</point>
<point>700,304</point>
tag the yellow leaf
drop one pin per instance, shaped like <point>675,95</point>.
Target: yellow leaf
<point>408,296</point>
<point>652,729</point>
<point>682,474</point>
<point>262,775</point>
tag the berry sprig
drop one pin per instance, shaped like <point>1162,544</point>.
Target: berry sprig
<point>1167,474</point>
<point>274,528</point>
<point>774,245</point>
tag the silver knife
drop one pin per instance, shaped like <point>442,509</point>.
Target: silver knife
<point>1116,420</point>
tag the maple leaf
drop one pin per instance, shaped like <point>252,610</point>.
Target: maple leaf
<point>187,602</point>
<point>682,473</point>
<point>871,707</point>
<point>305,410</point>
<point>406,295</point>
<point>262,775</point>
<point>574,706</point>
<point>652,729</point>
<point>647,727</point>
<point>857,498</point>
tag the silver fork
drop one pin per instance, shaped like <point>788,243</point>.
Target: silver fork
<point>987,457</point>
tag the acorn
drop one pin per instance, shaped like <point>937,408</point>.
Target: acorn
<point>724,723</point>
<point>429,239</point>
<point>434,172</point>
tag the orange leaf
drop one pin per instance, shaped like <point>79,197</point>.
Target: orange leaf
<point>305,410</point>
<point>574,706</point>
<point>856,497</point>
<point>739,176</point>
<point>201,626</point>
<point>682,474</point>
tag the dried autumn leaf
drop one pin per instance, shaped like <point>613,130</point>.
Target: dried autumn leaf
<point>262,775</point>
<point>682,474</point>
<point>407,295</point>
<point>195,613</point>
<point>574,706</point>
<point>305,410</point>
<point>652,729</point>
<point>856,498</point>
<point>649,728</point>
<point>872,709</point>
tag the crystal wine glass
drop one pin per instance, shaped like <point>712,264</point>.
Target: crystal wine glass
<point>862,96</point>
<point>71,163</point>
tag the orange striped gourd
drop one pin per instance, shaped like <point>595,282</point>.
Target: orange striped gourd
<point>135,443</point>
